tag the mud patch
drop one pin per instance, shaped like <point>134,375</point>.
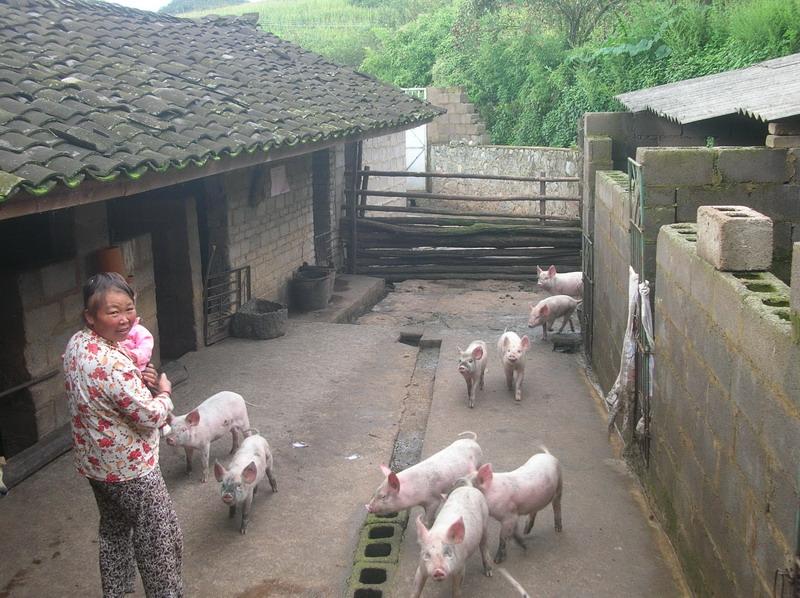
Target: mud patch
<point>19,579</point>
<point>276,588</point>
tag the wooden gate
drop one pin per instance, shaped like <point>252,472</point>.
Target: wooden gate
<point>410,241</point>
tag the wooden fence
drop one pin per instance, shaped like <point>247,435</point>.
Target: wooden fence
<point>400,242</point>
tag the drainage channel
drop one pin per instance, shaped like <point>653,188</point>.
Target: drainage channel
<point>378,551</point>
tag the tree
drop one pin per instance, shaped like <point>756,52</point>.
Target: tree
<point>577,18</point>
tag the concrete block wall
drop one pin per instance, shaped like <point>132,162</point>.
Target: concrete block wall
<point>611,261</point>
<point>387,152</point>
<point>461,122</point>
<point>504,160</point>
<point>271,234</point>
<point>725,420</point>
<point>138,257</point>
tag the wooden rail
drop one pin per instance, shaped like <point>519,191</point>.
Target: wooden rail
<point>461,175</point>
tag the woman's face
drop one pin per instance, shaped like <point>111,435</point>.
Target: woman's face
<point>113,317</point>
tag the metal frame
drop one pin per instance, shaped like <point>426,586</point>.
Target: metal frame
<point>223,294</point>
<point>640,408</point>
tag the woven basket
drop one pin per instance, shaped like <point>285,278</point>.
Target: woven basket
<point>259,318</point>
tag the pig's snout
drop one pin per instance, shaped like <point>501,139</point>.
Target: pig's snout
<point>439,574</point>
<point>170,441</point>
<point>227,499</point>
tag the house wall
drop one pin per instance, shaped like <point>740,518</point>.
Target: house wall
<point>726,420</point>
<point>273,234</point>
<point>387,152</point>
<point>504,160</point>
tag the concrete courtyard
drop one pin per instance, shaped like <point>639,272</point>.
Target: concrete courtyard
<point>342,390</point>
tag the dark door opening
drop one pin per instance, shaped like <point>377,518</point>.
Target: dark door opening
<point>321,177</point>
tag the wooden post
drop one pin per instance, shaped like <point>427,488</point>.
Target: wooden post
<point>363,186</point>
<point>542,192</point>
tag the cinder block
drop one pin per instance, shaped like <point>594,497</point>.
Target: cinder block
<point>783,141</point>
<point>663,166</point>
<point>753,164</point>
<point>794,296</point>
<point>784,128</point>
<point>59,278</point>
<point>734,238</point>
<point>599,149</point>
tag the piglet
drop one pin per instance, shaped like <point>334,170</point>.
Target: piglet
<point>424,483</point>
<point>472,365</point>
<point>459,529</point>
<point>549,309</point>
<point>567,283</point>
<point>219,414</point>
<point>512,351</point>
<point>239,482</point>
<point>524,491</point>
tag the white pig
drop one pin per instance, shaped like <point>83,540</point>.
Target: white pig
<point>239,482</point>
<point>216,416</point>
<point>423,483</point>
<point>549,309</point>
<point>567,283</point>
<point>460,528</point>
<point>472,365</point>
<point>512,351</point>
<point>524,491</point>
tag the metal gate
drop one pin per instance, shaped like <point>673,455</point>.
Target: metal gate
<point>223,294</point>
<point>416,145</point>
<point>587,266</point>
<point>639,418</point>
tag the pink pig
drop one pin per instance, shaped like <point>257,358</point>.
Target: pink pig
<point>472,365</point>
<point>524,491</point>
<point>460,528</point>
<point>424,483</point>
<point>549,309</point>
<point>567,283</point>
<point>512,351</point>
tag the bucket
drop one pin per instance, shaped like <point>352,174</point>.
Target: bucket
<point>311,287</point>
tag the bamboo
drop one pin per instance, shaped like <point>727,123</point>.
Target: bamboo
<point>444,211</point>
<point>450,221</point>
<point>465,252</point>
<point>451,197</point>
<point>423,230</point>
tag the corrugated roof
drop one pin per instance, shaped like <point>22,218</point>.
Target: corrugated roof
<point>96,90</point>
<point>767,91</point>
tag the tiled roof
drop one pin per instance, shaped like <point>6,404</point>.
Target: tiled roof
<point>767,91</point>
<point>90,90</point>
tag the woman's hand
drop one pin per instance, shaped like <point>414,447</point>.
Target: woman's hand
<point>164,385</point>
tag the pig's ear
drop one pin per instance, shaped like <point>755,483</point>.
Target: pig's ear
<point>193,417</point>
<point>551,270</point>
<point>526,342</point>
<point>250,472</point>
<point>485,475</point>
<point>219,471</point>
<point>455,535</point>
<point>386,471</point>
<point>477,352</point>
<point>422,531</point>
<point>394,482</point>
<point>545,309</point>
<point>539,270</point>
<point>459,349</point>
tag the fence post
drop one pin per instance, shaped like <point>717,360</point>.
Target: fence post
<point>542,192</point>
<point>363,186</point>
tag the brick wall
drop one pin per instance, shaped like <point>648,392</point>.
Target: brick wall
<point>271,234</point>
<point>504,160</point>
<point>387,152</point>
<point>725,420</point>
<point>460,123</point>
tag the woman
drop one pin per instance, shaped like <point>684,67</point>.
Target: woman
<point>115,421</point>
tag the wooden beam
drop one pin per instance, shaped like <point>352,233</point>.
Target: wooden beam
<point>450,197</point>
<point>461,175</point>
<point>447,212</point>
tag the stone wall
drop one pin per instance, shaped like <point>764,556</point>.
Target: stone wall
<point>504,160</point>
<point>273,234</point>
<point>387,152</point>
<point>461,122</point>
<point>725,420</point>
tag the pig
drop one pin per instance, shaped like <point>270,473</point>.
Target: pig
<point>567,283</point>
<point>512,351</point>
<point>219,414</point>
<point>459,529</point>
<point>548,310</point>
<point>423,483</point>
<point>472,365</point>
<point>239,482</point>
<point>524,491</point>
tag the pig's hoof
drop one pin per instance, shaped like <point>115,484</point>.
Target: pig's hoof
<point>499,558</point>
<point>488,572</point>
<point>243,531</point>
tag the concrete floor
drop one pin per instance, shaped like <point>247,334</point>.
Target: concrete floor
<point>340,389</point>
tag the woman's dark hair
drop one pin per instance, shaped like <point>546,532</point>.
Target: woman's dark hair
<point>100,284</point>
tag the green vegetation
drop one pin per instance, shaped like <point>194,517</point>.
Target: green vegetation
<point>337,29</point>
<point>178,6</point>
<point>534,66</point>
